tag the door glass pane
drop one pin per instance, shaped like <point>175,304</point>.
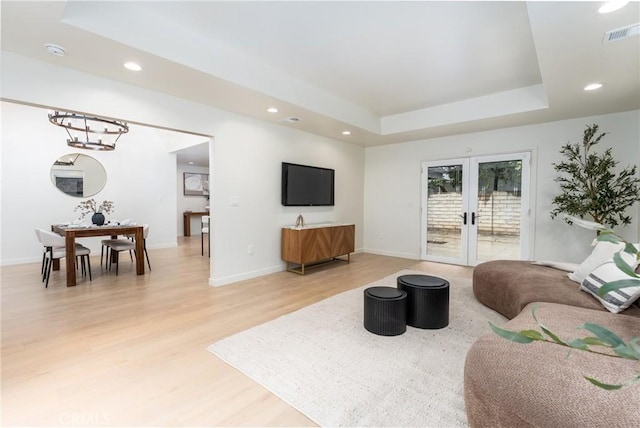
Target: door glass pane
<point>444,207</point>
<point>499,210</point>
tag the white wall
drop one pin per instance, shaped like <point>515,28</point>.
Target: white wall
<point>193,203</point>
<point>247,168</point>
<point>392,182</point>
<point>245,157</point>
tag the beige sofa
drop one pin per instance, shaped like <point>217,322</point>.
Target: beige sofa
<point>508,384</point>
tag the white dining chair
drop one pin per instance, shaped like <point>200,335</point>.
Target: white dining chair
<point>44,252</point>
<point>205,229</point>
<point>55,249</point>
<point>106,244</point>
<point>115,246</point>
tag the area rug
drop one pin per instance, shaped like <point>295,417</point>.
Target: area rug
<point>322,361</point>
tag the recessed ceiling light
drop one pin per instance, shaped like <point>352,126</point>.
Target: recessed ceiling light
<point>132,66</point>
<point>56,50</point>
<point>612,6</point>
<point>593,86</point>
<point>190,162</point>
<point>272,110</point>
<point>346,132</point>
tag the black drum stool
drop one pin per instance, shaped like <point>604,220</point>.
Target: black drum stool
<point>427,300</point>
<point>385,311</point>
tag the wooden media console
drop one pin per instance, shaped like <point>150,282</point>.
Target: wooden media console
<point>314,245</point>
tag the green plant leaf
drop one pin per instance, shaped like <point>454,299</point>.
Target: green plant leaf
<point>553,336</point>
<point>606,386</point>
<point>546,331</point>
<point>605,334</point>
<point>623,266</point>
<point>616,285</point>
<point>627,352</point>
<point>578,344</point>
<point>595,341</point>
<point>510,335</point>
<point>635,344</point>
<point>630,381</point>
<point>534,308</point>
<point>532,334</point>
<point>608,236</point>
<point>629,248</point>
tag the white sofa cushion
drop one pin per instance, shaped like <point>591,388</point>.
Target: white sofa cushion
<point>602,252</point>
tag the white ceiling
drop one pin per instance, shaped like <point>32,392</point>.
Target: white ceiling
<point>196,155</point>
<point>387,71</point>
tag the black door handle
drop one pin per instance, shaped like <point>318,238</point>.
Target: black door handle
<point>464,218</point>
<point>473,219</point>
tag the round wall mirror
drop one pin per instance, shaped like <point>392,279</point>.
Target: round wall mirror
<point>78,175</point>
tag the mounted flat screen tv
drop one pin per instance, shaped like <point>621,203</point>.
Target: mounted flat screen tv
<point>304,185</point>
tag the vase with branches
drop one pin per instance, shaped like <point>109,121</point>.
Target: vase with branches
<point>90,206</point>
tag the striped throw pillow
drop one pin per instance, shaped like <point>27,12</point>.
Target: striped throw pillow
<point>614,301</point>
<point>602,252</point>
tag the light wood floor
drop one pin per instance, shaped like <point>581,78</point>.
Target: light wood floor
<point>131,350</point>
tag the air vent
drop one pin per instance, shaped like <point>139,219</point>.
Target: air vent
<point>291,119</point>
<point>621,33</point>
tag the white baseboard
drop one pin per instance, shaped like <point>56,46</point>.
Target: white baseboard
<point>21,261</point>
<point>217,282</point>
<point>391,254</point>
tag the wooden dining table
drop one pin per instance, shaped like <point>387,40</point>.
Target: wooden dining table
<point>71,233</point>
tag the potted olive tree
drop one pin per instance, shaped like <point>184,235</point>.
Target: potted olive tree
<point>591,187</point>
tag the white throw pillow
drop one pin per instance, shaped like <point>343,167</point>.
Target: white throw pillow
<point>614,301</point>
<point>601,253</point>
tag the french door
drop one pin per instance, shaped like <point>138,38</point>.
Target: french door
<point>475,209</point>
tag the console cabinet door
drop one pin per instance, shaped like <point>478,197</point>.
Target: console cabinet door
<point>315,244</point>
<point>342,240</point>
<point>306,245</point>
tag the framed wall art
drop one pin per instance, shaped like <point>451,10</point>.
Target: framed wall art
<point>196,184</point>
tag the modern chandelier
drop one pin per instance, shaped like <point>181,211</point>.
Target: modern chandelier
<point>81,127</point>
